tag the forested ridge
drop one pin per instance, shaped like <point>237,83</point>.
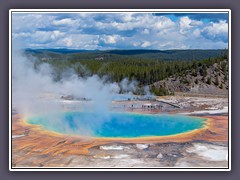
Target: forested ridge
<point>145,71</point>
<point>137,54</point>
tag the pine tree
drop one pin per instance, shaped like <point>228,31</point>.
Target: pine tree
<point>209,80</point>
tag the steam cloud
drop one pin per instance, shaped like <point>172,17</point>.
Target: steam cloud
<point>34,91</point>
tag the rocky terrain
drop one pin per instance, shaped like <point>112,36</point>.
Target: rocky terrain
<point>203,80</point>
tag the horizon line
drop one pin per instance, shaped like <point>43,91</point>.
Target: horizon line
<point>120,49</point>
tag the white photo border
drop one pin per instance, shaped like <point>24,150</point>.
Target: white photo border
<point>118,11</point>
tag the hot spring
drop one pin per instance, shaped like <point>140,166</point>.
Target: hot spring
<point>117,125</point>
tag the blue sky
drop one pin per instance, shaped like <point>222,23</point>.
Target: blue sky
<point>120,30</point>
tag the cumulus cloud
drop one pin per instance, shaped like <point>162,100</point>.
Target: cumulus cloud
<point>146,44</point>
<point>216,31</point>
<point>81,41</point>
<point>57,34</point>
<point>109,39</point>
<point>163,23</point>
<point>46,36</point>
<point>68,42</point>
<point>118,30</point>
<point>127,17</point>
<point>186,24</point>
<point>66,21</point>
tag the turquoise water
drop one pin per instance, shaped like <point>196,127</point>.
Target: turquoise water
<point>121,125</point>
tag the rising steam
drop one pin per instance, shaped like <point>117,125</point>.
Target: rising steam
<point>34,91</point>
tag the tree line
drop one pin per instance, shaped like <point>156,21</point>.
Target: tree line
<point>146,72</point>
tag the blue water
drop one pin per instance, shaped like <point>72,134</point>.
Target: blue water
<point>121,125</point>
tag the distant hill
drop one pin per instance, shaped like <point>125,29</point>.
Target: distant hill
<point>138,54</point>
<point>211,79</point>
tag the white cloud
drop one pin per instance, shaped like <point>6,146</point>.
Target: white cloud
<point>46,36</point>
<point>196,32</point>
<point>81,41</point>
<point>146,44</point>
<point>186,24</point>
<point>116,30</point>
<point>216,31</point>
<point>112,39</point>
<point>66,21</point>
<point>56,34</point>
<point>196,23</point>
<point>109,39</point>
<point>126,17</point>
<point>68,42</point>
<point>217,28</point>
<point>138,21</point>
<point>163,23</point>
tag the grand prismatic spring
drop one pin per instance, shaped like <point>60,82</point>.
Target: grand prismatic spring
<point>117,125</point>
